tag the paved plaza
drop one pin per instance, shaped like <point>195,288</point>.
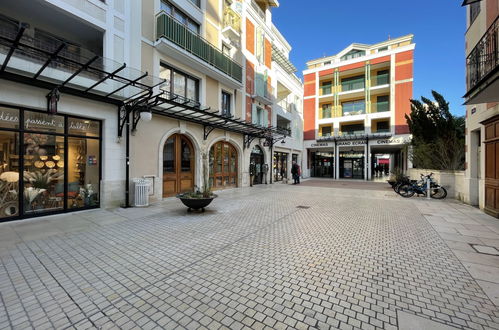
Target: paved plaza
<point>276,256</point>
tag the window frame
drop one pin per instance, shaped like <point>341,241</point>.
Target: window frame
<point>475,9</point>
<point>186,77</point>
<point>225,111</point>
<point>175,11</point>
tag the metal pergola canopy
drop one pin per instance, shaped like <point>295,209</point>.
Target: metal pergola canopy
<point>35,57</point>
<point>283,61</point>
<point>178,107</point>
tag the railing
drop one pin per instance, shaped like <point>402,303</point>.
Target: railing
<point>350,86</point>
<point>357,132</point>
<point>382,130</point>
<point>326,90</point>
<point>257,8</point>
<point>381,79</point>
<point>167,27</point>
<point>284,130</point>
<point>261,87</point>
<point>484,58</point>
<point>380,107</point>
<point>232,19</point>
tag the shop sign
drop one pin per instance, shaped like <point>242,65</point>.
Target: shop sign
<point>320,144</point>
<point>352,143</point>
<point>394,140</point>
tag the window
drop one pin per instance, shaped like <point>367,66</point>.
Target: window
<point>382,49</point>
<point>180,16</point>
<point>383,127</point>
<point>226,111</point>
<point>383,77</point>
<point>474,11</point>
<point>354,108</point>
<point>327,62</point>
<point>352,129</point>
<point>326,110</point>
<point>354,53</point>
<point>326,131</point>
<point>327,87</point>
<point>179,83</point>
<point>349,84</point>
<point>226,50</point>
<point>259,116</point>
<point>383,103</point>
<point>260,45</point>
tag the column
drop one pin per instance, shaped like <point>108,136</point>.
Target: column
<point>368,86</point>
<point>369,164</point>
<point>337,161</point>
<point>366,161</point>
<point>336,89</point>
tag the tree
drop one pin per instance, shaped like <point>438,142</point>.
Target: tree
<point>437,135</point>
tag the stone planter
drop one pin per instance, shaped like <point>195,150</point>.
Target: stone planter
<point>196,203</point>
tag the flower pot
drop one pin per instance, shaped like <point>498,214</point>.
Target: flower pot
<point>196,203</point>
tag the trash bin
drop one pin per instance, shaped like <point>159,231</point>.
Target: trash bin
<point>141,191</point>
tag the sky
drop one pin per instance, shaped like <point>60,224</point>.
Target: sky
<point>325,27</point>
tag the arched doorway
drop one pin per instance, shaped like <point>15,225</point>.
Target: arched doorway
<point>178,165</point>
<point>223,165</point>
<point>257,158</point>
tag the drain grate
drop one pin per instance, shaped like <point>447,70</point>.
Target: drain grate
<point>302,207</point>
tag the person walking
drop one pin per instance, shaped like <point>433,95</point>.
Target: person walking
<point>294,172</point>
<point>252,172</point>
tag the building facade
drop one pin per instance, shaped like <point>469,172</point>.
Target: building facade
<point>354,110</point>
<point>482,107</point>
<point>95,94</point>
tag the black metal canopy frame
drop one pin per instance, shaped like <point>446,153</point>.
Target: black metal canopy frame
<point>175,106</point>
<point>34,57</point>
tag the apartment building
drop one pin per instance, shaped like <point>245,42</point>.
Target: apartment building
<point>66,67</point>
<point>354,110</point>
<point>216,111</point>
<point>482,107</point>
<point>273,92</point>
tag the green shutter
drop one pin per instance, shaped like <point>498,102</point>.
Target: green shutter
<point>254,114</point>
<point>265,118</point>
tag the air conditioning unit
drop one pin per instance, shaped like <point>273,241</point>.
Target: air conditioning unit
<point>141,192</point>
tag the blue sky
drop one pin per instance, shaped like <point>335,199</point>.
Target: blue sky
<point>325,27</point>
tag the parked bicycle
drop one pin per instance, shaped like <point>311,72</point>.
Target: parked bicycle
<point>421,188</point>
<point>400,181</point>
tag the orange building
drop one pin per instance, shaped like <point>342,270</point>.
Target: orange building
<point>354,110</point>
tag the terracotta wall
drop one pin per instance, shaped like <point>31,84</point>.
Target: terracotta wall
<point>404,65</point>
<point>309,84</point>
<point>309,119</point>
<point>403,95</point>
<point>250,36</point>
<point>268,54</point>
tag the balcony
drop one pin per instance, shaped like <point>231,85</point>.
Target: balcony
<point>263,93</point>
<point>482,68</point>
<point>178,34</point>
<point>352,133</point>
<point>380,80</point>
<point>380,107</point>
<point>326,90</point>
<point>232,21</point>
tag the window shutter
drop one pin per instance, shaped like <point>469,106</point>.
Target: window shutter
<point>254,114</point>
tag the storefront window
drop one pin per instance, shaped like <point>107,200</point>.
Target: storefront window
<point>9,176</point>
<point>53,148</point>
<point>43,172</point>
<point>83,172</point>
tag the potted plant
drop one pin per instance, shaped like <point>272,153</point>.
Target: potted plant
<point>197,199</point>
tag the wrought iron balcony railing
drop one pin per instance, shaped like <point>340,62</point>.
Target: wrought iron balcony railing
<point>167,27</point>
<point>484,58</point>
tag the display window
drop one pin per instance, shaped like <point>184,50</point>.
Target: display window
<point>59,158</point>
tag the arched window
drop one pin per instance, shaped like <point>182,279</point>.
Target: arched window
<point>223,165</point>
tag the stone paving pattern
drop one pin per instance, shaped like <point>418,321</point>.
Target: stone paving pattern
<point>352,259</point>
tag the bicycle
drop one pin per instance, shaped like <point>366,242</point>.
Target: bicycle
<point>420,187</point>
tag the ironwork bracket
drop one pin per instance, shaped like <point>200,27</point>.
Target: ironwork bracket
<point>207,130</point>
<point>123,113</point>
<point>247,141</point>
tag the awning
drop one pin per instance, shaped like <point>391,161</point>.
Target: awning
<point>282,60</point>
<point>178,107</point>
<point>353,137</point>
<point>469,2</point>
<point>32,56</point>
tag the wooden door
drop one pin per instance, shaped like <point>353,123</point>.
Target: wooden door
<point>492,166</point>
<point>178,165</point>
<point>223,166</point>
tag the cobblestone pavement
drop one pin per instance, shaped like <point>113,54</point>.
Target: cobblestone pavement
<point>264,257</point>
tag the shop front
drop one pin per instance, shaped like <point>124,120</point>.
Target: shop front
<point>223,166</point>
<point>351,164</point>
<point>59,156</point>
<point>178,165</point>
<point>257,160</point>
<point>280,166</point>
<point>322,164</point>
